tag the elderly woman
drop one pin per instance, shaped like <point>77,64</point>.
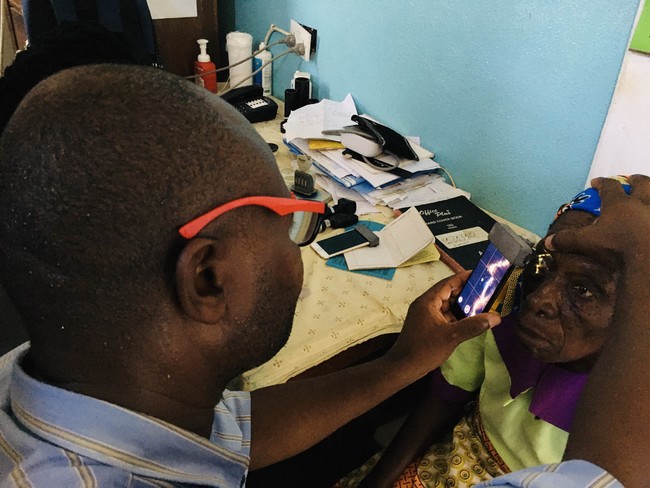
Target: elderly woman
<point>505,400</point>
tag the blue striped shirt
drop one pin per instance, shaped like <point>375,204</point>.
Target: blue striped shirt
<point>568,474</point>
<point>50,437</point>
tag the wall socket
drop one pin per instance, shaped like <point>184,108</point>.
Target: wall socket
<point>306,36</point>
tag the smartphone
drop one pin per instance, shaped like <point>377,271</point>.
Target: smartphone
<point>505,250</point>
<point>338,244</point>
<point>483,285</point>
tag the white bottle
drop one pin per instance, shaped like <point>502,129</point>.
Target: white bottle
<point>265,76</point>
<point>239,46</point>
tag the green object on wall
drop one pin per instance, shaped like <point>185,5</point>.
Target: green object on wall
<point>641,39</point>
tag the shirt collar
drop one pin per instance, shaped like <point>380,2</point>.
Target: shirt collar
<point>556,390</point>
<point>122,438</point>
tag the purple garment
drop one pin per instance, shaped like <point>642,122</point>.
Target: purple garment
<point>448,392</point>
<point>556,390</point>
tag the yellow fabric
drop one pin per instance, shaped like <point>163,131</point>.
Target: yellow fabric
<point>338,309</point>
<point>520,438</point>
<point>508,296</point>
<point>465,367</point>
<point>462,461</point>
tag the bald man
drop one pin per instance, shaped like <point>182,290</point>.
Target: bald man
<point>151,246</point>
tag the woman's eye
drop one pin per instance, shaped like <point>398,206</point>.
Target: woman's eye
<point>583,291</point>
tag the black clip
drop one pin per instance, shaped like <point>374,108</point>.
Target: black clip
<point>341,215</point>
<point>303,184</point>
<point>365,231</point>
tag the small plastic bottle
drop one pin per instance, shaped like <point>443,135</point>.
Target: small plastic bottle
<point>265,76</point>
<point>204,65</point>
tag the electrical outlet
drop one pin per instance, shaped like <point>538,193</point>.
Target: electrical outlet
<point>306,36</point>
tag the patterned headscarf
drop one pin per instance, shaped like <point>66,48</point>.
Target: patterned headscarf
<point>589,201</point>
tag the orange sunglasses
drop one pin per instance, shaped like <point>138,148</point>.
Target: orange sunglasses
<point>307,216</point>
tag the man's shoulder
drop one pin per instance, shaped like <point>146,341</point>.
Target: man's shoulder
<point>569,474</point>
<point>54,437</point>
<point>7,362</point>
<point>39,464</point>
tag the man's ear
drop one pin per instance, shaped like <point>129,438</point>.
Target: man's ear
<point>198,281</point>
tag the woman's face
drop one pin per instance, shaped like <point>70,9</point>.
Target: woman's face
<point>568,302</point>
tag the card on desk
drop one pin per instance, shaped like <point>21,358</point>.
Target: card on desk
<point>399,241</point>
<point>460,228</point>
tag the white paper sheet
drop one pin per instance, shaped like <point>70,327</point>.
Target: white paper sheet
<point>339,191</point>
<point>435,191</point>
<point>321,158</point>
<point>310,121</point>
<point>375,177</point>
<point>172,9</point>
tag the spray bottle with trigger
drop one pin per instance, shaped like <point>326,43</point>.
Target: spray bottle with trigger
<point>204,65</point>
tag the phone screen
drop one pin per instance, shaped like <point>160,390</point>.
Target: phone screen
<point>483,284</point>
<point>342,242</point>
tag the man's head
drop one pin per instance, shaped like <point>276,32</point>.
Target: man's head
<point>100,167</point>
<point>568,298</point>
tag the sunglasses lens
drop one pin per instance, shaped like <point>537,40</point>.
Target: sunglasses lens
<point>304,227</point>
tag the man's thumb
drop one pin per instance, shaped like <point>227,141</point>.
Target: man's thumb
<point>476,325</point>
<point>564,240</point>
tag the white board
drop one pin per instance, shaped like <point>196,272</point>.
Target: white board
<point>624,145</point>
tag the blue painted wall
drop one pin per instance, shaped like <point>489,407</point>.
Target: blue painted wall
<point>511,95</point>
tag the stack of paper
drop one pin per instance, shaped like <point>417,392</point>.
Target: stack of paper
<point>412,183</point>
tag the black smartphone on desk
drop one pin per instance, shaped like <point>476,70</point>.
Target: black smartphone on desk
<point>504,251</point>
<point>251,103</point>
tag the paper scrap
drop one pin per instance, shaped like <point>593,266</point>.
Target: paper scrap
<point>310,121</point>
<point>426,255</point>
<point>324,145</point>
<point>172,9</point>
<point>463,237</point>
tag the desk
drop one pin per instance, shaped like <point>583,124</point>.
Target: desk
<point>339,309</point>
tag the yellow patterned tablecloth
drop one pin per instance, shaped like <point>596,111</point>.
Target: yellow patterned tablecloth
<point>338,309</point>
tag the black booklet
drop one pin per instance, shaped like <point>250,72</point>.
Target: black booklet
<point>460,228</point>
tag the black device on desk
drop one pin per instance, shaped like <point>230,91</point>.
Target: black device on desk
<point>251,103</point>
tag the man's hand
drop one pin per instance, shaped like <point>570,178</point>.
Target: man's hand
<point>313,408</point>
<point>618,385</point>
<point>619,237</point>
<point>431,332</point>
